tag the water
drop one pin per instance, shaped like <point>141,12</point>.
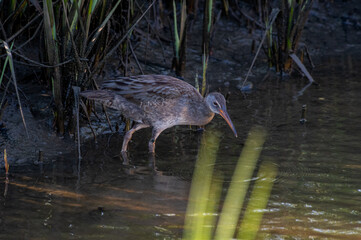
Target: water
<point>316,195</point>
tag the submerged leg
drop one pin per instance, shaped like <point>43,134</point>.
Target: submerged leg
<point>155,135</point>
<point>129,134</point>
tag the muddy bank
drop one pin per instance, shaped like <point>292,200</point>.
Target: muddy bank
<point>41,143</point>
<point>333,29</point>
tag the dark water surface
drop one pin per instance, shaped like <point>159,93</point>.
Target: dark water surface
<point>317,193</point>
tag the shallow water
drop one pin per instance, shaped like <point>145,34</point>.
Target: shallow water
<point>316,195</point>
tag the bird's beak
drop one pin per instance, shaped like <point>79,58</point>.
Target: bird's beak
<point>224,114</point>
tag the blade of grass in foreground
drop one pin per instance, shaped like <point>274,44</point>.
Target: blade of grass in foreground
<point>258,201</point>
<point>198,202</point>
<point>211,213</point>
<point>238,188</point>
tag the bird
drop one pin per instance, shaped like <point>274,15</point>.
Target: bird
<point>160,102</point>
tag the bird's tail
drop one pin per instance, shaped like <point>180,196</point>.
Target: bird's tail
<point>115,101</point>
<point>107,98</point>
<point>98,95</point>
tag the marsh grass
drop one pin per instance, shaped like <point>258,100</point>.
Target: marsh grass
<point>74,40</point>
<point>208,21</point>
<point>203,221</point>
<point>180,38</point>
<point>288,28</point>
<point>9,60</point>
<point>283,23</point>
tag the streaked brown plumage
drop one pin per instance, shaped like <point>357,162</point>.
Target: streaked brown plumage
<point>160,102</point>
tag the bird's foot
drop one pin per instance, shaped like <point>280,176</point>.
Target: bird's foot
<point>125,157</point>
<point>152,164</point>
<point>200,130</point>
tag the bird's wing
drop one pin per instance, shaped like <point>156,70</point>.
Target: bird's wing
<point>151,88</point>
<point>112,100</point>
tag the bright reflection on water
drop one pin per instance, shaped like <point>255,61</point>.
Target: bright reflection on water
<point>317,193</point>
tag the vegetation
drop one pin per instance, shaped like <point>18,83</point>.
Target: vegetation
<point>71,42</point>
<point>180,39</point>
<point>206,188</point>
<point>78,37</point>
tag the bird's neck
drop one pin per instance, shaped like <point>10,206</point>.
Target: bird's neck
<point>193,113</point>
<point>205,115</point>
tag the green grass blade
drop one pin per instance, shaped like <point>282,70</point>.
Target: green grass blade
<point>116,46</point>
<point>71,38</point>
<point>240,181</point>
<point>226,6</point>
<point>100,29</point>
<point>211,213</point>
<point>73,18</point>
<point>290,21</point>
<point>132,7</point>
<point>176,36</point>
<point>210,8</point>
<point>52,51</point>
<point>49,25</point>
<point>12,70</point>
<point>183,19</point>
<point>5,64</point>
<point>92,5</point>
<point>12,5</point>
<point>200,188</point>
<point>51,18</point>
<point>258,201</point>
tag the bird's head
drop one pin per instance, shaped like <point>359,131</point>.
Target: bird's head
<point>217,104</point>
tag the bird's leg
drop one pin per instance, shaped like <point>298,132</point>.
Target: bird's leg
<point>155,134</point>
<point>129,134</point>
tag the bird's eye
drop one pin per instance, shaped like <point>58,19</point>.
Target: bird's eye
<point>215,104</point>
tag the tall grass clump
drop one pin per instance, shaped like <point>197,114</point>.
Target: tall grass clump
<point>284,39</point>
<point>190,8</point>
<point>207,25</point>
<point>9,60</point>
<point>180,38</point>
<point>202,218</point>
<point>89,33</point>
<point>74,40</point>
